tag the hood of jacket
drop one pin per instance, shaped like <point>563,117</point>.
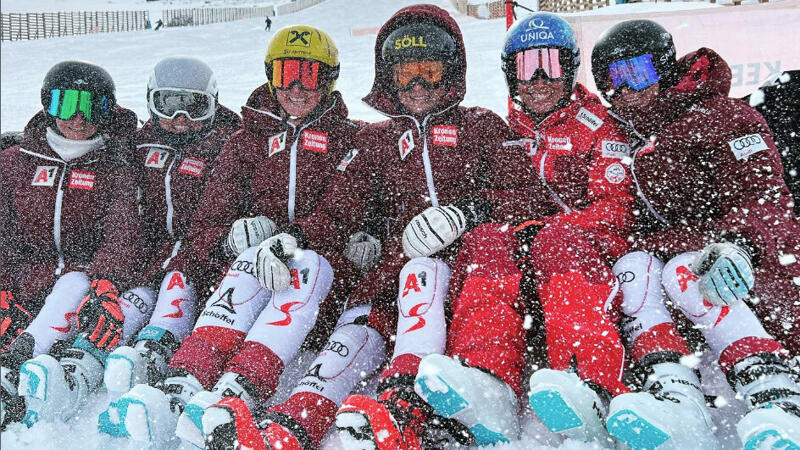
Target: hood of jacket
<point>263,114</point>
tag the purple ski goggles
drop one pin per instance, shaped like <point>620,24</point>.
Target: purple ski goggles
<point>637,72</point>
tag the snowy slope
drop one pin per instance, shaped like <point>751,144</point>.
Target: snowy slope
<point>128,5</point>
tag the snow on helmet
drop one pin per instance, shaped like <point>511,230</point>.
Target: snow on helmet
<point>541,30</point>
<point>182,85</point>
<point>630,39</point>
<point>70,87</point>
<point>304,42</point>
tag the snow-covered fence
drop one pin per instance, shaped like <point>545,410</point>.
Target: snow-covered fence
<point>205,16</point>
<point>294,6</point>
<point>25,26</point>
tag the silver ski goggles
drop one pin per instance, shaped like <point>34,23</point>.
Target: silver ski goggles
<point>168,103</point>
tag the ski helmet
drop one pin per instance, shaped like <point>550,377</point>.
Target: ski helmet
<point>421,41</point>
<point>304,42</point>
<point>630,39</point>
<point>182,84</point>
<point>541,30</point>
<point>78,86</point>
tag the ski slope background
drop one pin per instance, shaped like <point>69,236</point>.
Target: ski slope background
<point>235,51</point>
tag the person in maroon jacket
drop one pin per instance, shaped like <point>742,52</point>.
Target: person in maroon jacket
<point>69,238</point>
<point>274,170</point>
<point>432,158</point>
<point>713,204</point>
<point>174,156</point>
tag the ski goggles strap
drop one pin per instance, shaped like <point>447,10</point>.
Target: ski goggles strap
<point>286,72</point>
<point>534,59</point>
<point>168,103</point>
<point>431,72</point>
<point>65,103</point>
<point>637,72</point>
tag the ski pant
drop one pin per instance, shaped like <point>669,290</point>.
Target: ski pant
<point>246,329</point>
<point>732,332</point>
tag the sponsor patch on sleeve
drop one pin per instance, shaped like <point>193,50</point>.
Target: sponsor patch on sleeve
<point>445,135</point>
<point>276,143</point>
<point>316,141</point>
<point>614,149</point>
<point>156,158</point>
<point>745,146</point>
<point>405,144</point>
<point>587,118</point>
<point>615,173</point>
<point>81,179</point>
<point>348,158</point>
<point>44,176</point>
<point>192,166</point>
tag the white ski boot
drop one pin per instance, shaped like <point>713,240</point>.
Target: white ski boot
<point>482,402</point>
<point>56,390</point>
<point>125,368</point>
<point>190,422</point>
<point>567,405</point>
<point>670,413</point>
<point>766,383</point>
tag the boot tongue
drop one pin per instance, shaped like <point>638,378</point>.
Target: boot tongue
<point>674,381</point>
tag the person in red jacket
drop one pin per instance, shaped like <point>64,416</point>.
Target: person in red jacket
<point>713,204</point>
<point>69,239</point>
<point>174,156</point>
<point>432,159</point>
<point>564,252</point>
<point>274,170</point>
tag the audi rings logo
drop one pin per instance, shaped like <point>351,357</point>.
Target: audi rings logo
<point>338,348</point>
<point>243,266</point>
<point>616,147</point>
<point>745,142</point>
<point>626,277</point>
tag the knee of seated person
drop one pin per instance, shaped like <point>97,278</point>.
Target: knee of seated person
<point>72,281</point>
<point>677,275</point>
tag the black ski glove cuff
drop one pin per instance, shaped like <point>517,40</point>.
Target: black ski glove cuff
<point>476,211</point>
<point>742,242</point>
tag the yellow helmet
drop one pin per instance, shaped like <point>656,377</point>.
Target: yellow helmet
<point>304,42</point>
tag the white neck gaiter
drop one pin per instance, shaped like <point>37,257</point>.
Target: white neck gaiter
<point>68,149</point>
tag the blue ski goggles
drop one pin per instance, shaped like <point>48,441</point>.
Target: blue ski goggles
<point>637,72</point>
<point>65,103</point>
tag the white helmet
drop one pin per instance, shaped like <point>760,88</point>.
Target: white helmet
<point>182,85</point>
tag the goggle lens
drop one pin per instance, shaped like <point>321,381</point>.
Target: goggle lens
<point>65,103</point>
<point>431,72</point>
<point>168,103</point>
<point>637,72</point>
<point>286,72</point>
<point>535,59</point>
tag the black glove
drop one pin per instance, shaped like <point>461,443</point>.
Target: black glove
<point>476,211</point>
<point>100,316</point>
<point>526,232</point>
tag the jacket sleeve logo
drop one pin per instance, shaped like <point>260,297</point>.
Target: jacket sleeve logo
<point>406,144</point>
<point>348,158</point>
<point>156,158</point>
<point>745,146</point>
<point>44,176</point>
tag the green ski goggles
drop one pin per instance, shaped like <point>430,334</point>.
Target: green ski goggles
<point>64,104</point>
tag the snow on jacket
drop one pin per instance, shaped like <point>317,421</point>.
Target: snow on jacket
<point>269,167</point>
<point>408,164</point>
<point>580,159</point>
<point>58,216</point>
<point>171,179</point>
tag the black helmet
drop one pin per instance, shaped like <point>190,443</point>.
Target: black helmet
<point>419,40</point>
<point>630,39</point>
<point>79,76</point>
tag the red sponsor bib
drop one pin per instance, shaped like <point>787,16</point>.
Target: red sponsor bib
<point>316,141</point>
<point>445,135</point>
<point>192,166</point>
<point>81,179</point>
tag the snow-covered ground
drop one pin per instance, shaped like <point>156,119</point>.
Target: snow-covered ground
<point>235,51</point>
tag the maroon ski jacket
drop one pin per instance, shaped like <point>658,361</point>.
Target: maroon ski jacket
<point>171,178</point>
<point>58,216</point>
<point>710,165</point>
<point>269,167</point>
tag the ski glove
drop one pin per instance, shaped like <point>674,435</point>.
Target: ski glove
<point>272,261</point>
<point>726,273</point>
<point>363,250</point>
<point>432,230</point>
<point>100,316</point>
<point>13,319</point>
<point>247,232</point>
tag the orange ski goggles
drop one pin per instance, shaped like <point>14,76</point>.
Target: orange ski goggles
<point>286,72</point>
<point>430,73</point>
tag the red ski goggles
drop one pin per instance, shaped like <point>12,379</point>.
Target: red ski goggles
<point>637,72</point>
<point>286,72</point>
<point>541,60</point>
<point>431,73</point>
<point>65,103</point>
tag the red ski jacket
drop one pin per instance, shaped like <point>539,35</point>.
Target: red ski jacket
<point>580,161</point>
<point>171,179</point>
<point>58,216</point>
<point>269,167</point>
